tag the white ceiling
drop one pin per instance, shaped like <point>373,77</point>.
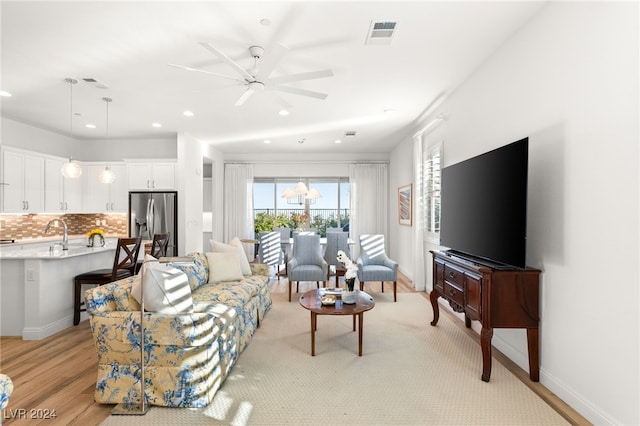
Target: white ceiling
<point>127,46</point>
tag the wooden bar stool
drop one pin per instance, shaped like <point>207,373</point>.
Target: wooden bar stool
<point>158,248</point>
<point>124,265</point>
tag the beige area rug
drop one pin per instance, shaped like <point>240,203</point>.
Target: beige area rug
<point>410,374</point>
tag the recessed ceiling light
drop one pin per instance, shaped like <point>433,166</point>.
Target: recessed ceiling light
<point>390,111</point>
<point>283,112</point>
<point>188,113</point>
<point>5,94</point>
<point>267,141</point>
<point>266,22</point>
<point>156,125</point>
<point>337,141</point>
<point>90,126</point>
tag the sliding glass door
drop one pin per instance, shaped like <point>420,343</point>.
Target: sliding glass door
<point>326,208</point>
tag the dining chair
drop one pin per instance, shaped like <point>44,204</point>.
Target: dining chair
<point>158,248</point>
<point>307,263</point>
<point>308,231</point>
<point>374,264</point>
<point>270,250</point>
<point>124,265</point>
<point>285,235</point>
<point>336,241</point>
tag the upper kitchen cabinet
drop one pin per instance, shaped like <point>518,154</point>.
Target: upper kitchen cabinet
<point>151,176</point>
<point>62,195</point>
<point>22,182</point>
<point>103,197</point>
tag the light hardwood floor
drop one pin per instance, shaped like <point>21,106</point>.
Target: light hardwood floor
<point>58,374</point>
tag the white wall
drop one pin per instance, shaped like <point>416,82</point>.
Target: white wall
<point>125,149</point>
<point>32,138</point>
<point>216,158</point>
<point>569,81</point>
<point>400,236</point>
<point>189,183</point>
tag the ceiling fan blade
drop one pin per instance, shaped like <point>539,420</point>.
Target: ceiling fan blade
<point>271,59</point>
<point>243,98</point>
<point>301,92</point>
<point>207,72</point>
<point>301,76</point>
<point>228,60</point>
<point>284,104</point>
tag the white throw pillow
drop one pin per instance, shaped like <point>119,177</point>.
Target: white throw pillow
<point>166,289</point>
<point>224,267</point>
<point>234,246</point>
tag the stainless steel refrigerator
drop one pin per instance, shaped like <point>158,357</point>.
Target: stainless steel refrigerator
<point>154,213</point>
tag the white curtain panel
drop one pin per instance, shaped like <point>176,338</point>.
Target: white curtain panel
<point>369,185</point>
<point>238,203</point>
<point>419,275</point>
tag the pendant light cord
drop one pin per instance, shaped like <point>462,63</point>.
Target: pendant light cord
<point>71,82</point>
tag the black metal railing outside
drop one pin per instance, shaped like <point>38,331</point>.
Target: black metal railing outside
<point>265,219</point>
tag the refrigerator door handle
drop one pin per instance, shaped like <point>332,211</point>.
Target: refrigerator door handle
<point>151,225</point>
<point>148,219</point>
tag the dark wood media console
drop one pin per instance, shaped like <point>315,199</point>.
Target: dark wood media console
<point>498,297</point>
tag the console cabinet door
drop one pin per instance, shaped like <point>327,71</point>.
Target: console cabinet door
<point>438,283</point>
<point>473,288</point>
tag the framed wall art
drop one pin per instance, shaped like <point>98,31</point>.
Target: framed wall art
<point>404,204</point>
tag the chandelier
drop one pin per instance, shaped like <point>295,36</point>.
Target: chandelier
<point>300,194</point>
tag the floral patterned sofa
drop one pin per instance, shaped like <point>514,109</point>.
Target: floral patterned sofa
<point>187,355</point>
<point>6,387</point>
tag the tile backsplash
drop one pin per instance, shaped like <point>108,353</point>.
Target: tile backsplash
<point>28,226</point>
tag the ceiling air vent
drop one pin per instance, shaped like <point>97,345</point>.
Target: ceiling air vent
<point>95,83</point>
<point>350,133</point>
<point>381,32</point>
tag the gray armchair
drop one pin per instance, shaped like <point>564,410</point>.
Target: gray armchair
<point>374,264</point>
<point>306,263</point>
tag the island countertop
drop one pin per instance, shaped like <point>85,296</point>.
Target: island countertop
<point>51,248</point>
<point>37,279</point>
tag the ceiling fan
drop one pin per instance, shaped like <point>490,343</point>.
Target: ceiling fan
<point>256,78</point>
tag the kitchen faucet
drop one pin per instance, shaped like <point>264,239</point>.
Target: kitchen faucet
<point>65,239</point>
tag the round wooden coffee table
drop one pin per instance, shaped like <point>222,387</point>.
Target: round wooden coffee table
<point>311,301</point>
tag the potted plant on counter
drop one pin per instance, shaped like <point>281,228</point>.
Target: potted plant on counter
<point>95,238</point>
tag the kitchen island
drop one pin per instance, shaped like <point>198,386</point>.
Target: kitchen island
<point>36,284</point>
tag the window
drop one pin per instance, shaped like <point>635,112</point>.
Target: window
<point>432,160</point>
<point>331,210</point>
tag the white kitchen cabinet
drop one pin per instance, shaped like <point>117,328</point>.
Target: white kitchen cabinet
<point>62,195</point>
<point>106,197</point>
<point>151,176</point>
<point>22,182</point>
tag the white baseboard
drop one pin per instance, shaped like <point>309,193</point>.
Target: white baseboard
<point>586,408</point>
<point>39,333</point>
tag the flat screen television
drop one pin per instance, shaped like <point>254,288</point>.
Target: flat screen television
<point>484,206</point>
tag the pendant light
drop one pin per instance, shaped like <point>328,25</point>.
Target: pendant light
<point>71,170</point>
<point>107,176</point>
